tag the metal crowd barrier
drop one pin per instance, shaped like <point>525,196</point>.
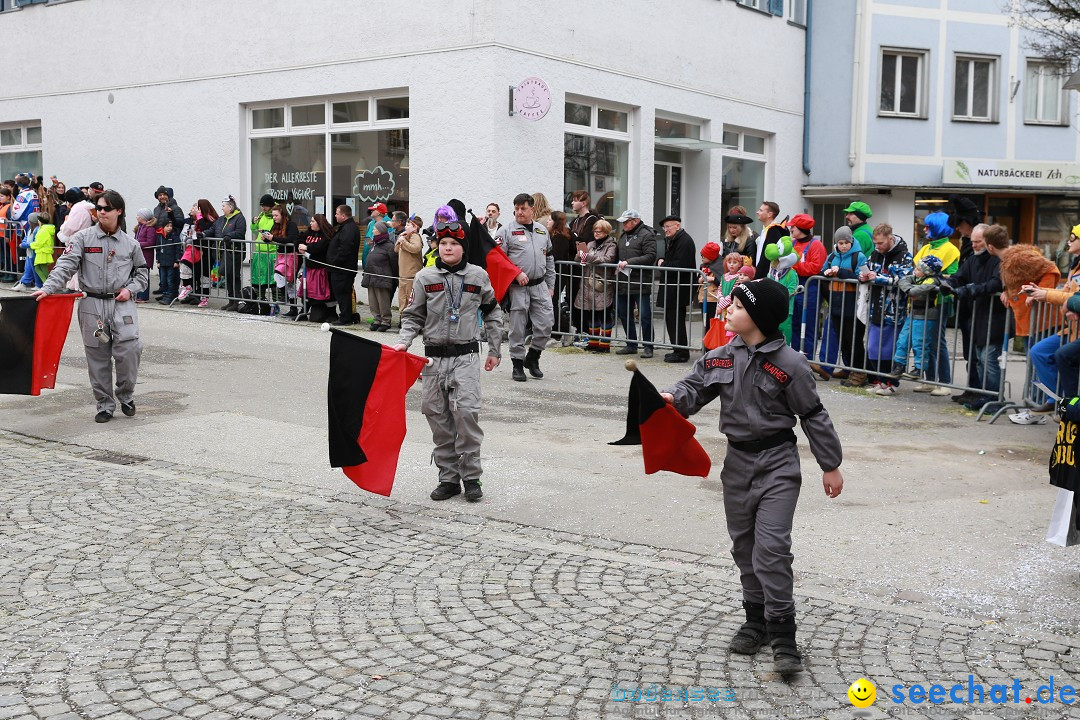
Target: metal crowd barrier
<point>633,316</point>
<point>1050,334</point>
<point>12,261</point>
<point>927,350</point>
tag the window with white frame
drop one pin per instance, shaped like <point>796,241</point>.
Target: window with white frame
<point>798,12</point>
<point>1044,101</point>
<point>974,88</point>
<point>596,154</point>
<point>744,169</point>
<point>20,148</point>
<point>762,5</point>
<point>316,154</point>
<point>903,83</point>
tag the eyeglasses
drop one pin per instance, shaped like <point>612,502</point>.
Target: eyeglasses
<point>104,208</point>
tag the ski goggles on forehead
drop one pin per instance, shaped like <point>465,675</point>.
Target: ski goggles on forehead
<point>453,229</point>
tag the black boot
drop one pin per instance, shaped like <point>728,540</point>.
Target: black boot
<point>446,490</point>
<point>786,657</point>
<point>473,493</point>
<point>532,361</point>
<point>751,636</point>
<point>519,370</point>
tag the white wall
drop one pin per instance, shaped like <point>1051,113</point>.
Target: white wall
<point>176,115</point>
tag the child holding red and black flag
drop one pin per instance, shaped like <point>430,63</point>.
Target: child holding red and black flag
<point>447,302</point>
<point>764,386</point>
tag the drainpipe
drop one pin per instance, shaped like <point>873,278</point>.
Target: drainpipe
<point>806,93</point>
<point>856,89</point>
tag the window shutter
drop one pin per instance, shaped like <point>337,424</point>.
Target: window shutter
<point>776,7</point>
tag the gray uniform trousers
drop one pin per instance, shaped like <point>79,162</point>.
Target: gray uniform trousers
<point>760,493</point>
<point>100,357</point>
<point>530,303</point>
<point>451,403</point>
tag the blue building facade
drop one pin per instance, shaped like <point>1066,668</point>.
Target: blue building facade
<point>912,101</point>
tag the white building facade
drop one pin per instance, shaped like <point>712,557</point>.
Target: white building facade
<point>913,101</point>
<point>659,107</point>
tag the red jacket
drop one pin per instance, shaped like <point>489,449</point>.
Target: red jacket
<point>811,257</point>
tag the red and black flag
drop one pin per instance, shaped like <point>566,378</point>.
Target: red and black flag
<point>483,251</point>
<point>32,335</point>
<point>666,437</point>
<point>365,400</point>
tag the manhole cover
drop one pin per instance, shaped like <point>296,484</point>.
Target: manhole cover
<point>117,458</point>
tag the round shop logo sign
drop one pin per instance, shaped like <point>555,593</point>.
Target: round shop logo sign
<point>374,185</point>
<point>532,98</point>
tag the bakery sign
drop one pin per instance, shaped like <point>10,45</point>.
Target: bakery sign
<point>1011,173</point>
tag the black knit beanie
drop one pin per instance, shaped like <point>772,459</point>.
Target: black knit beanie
<point>766,301</point>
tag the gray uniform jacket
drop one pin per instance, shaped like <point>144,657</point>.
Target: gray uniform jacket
<point>429,312</point>
<point>762,390</point>
<point>530,251</point>
<point>106,264</point>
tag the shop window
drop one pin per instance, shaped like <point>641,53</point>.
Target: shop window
<point>392,108</point>
<point>291,168</point>
<point>743,184</point>
<point>1044,103</point>
<point>578,114</point>
<point>902,83</point>
<point>596,155</point>
<point>350,112</point>
<point>798,12</point>
<point>754,144</point>
<point>303,115</point>
<point>611,120</point>
<point>268,118</point>
<point>20,149</point>
<point>601,168</point>
<point>370,167</point>
<point>1054,219</point>
<point>664,128</point>
<point>975,79</point>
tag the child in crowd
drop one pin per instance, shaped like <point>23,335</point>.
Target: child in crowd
<point>744,275</point>
<point>763,385</point>
<point>448,300</point>
<point>168,258</point>
<point>44,238</point>
<point>27,245</point>
<point>410,252</point>
<point>432,253</point>
<point>846,262</point>
<point>782,270</point>
<point>189,258</point>
<point>920,331</point>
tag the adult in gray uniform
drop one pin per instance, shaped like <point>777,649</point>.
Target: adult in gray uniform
<point>447,300</point>
<point>763,386</point>
<point>111,271</point>
<point>529,247</point>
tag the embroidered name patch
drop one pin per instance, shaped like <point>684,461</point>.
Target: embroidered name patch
<point>437,287</point>
<point>779,375</point>
<point>719,363</point>
<point>517,232</point>
<point>472,289</point>
<point>92,250</point>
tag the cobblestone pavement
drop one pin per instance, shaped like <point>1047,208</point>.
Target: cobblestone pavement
<point>149,590</point>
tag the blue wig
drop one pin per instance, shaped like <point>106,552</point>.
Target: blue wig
<point>937,225</point>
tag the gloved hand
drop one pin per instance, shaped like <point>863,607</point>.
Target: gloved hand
<point>947,289</point>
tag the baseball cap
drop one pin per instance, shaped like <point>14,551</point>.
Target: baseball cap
<point>802,221</point>
<point>628,215</point>
<point>381,207</point>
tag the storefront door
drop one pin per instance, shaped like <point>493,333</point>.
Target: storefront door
<point>1015,212</point>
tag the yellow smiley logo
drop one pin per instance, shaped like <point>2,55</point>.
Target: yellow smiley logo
<point>862,693</point>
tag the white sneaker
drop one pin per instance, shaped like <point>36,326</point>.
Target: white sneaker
<point>922,387</point>
<point>581,344</point>
<point>17,287</point>
<point>1026,417</point>
<point>872,388</point>
<point>885,390</point>
<point>941,391</point>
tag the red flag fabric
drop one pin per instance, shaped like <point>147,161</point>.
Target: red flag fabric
<point>365,404</point>
<point>717,334</point>
<point>666,437</point>
<point>32,336</point>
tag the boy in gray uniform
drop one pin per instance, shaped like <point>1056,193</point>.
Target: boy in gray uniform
<point>763,385</point>
<point>447,300</point>
<point>529,247</point>
<point>111,272</point>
